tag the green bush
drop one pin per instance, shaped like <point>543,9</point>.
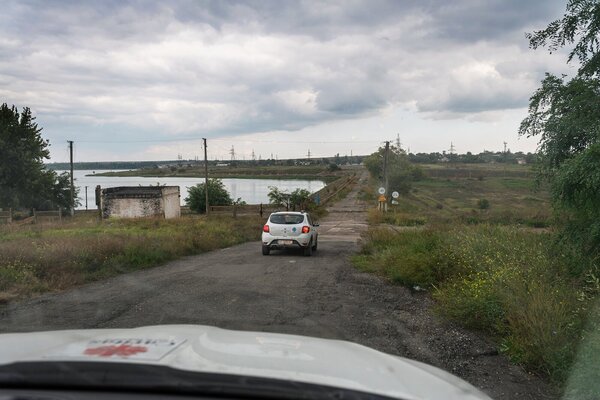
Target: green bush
<point>506,281</point>
<point>483,204</point>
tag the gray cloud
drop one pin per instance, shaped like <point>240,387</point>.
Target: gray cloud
<point>215,67</point>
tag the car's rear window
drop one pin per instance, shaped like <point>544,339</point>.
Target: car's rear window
<point>287,219</point>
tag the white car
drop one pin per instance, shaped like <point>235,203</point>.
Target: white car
<point>290,229</point>
<point>195,361</point>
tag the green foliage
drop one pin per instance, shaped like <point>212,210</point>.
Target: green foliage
<point>564,114</point>
<point>401,173</point>
<point>332,167</point>
<point>299,198</point>
<point>580,26</point>
<point>217,196</point>
<point>505,281</point>
<point>24,181</point>
<point>483,204</point>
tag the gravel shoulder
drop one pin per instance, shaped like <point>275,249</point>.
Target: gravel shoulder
<point>323,296</point>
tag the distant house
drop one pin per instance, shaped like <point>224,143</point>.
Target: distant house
<point>222,165</point>
<point>521,161</point>
<point>140,201</point>
<point>444,159</point>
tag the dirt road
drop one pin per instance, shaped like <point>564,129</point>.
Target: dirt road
<point>322,296</point>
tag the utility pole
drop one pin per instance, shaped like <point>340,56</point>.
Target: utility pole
<point>72,184</point>
<point>205,175</point>
<point>232,152</point>
<point>308,155</point>
<point>385,172</point>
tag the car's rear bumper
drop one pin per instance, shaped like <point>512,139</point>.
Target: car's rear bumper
<point>282,243</point>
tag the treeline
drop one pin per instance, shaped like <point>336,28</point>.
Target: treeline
<point>109,165</point>
<point>420,158</point>
<point>470,158</point>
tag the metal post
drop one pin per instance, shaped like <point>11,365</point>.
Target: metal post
<point>206,176</point>
<point>385,171</point>
<point>86,203</point>
<point>72,185</point>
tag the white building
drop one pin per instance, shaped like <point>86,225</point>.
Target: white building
<point>140,201</point>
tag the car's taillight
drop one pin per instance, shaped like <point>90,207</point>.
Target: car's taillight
<point>305,229</point>
<point>266,228</point>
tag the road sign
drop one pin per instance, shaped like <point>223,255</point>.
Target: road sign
<point>382,199</point>
<point>381,190</point>
<point>395,195</point>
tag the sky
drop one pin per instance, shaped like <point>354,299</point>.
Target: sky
<point>146,80</point>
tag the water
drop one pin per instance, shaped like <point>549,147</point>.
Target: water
<point>252,191</point>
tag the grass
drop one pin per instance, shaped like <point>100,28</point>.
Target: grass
<point>40,258</point>
<point>488,269</point>
<point>509,200</point>
<point>502,280</point>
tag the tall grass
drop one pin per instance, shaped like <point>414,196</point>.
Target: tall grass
<point>36,259</point>
<point>502,280</point>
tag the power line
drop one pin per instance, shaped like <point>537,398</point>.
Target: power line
<point>222,140</point>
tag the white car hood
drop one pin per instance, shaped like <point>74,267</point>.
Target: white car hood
<point>207,349</point>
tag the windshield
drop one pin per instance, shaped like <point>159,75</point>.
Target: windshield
<point>286,219</point>
<point>418,178</point>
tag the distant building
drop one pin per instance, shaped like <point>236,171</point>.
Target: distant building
<point>521,161</point>
<point>140,201</point>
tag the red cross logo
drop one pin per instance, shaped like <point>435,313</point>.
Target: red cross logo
<point>123,350</point>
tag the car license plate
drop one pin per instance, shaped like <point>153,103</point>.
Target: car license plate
<point>285,242</point>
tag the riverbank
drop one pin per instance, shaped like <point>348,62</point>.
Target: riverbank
<point>308,172</point>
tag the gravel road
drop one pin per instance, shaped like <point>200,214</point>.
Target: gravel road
<point>321,296</point>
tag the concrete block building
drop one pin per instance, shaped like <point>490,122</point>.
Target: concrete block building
<point>140,201</point>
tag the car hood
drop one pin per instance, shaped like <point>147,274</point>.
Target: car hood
<point>258,354</point>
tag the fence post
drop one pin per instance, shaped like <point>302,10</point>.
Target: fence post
<point>234,210</point>
<point>34,217</point>
<point>260,210</point>
<point>60,214</point>
<point>10,215</point>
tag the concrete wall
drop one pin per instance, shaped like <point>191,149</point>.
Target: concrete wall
<point>142,201</point>
<point>170,202</point>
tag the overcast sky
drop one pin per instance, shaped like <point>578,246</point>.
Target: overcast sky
<point>143,80</point>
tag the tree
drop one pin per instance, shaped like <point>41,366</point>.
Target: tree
<point>280,198</point>
<point>564,113</point>
<point>24,180</point>
<point>300,198</point>
<point>401,173</point>
<point>217,196</point>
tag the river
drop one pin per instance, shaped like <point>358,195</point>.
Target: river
<point>252,191</point>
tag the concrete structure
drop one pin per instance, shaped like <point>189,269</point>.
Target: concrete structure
<point>140,201</point>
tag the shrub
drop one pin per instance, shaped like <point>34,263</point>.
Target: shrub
<point>483,204</point>
<point>511,283</point>
<point>217,196</point>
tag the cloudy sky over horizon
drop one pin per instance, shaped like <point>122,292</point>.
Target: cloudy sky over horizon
<point>145,80</point>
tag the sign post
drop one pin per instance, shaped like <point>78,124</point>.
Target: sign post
<point>382,206</point>
<point>395,196</point>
